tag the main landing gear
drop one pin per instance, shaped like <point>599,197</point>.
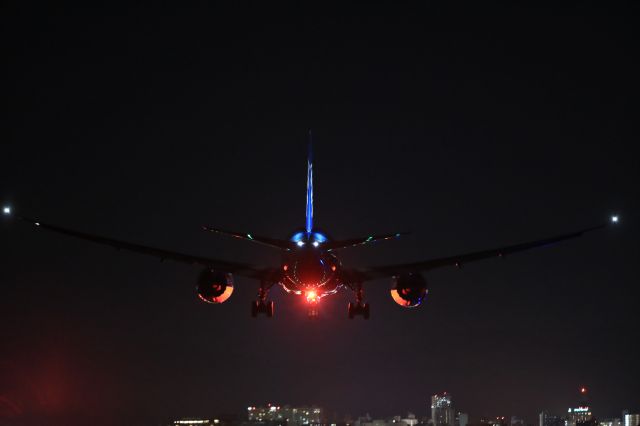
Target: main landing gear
<point>262,305</point>
<point>359,308</point>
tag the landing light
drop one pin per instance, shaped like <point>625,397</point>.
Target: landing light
<point>316,244</point>
<point>300,243</point>
<point>6,210</point>
<point>614,219</point>
<point>312,296</point>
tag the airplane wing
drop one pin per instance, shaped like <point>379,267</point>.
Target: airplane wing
<point>353,242</point>
<point>233,267</point>
<point>459,260</point>
<point>271,242</point>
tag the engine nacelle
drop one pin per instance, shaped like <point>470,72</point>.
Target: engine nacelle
<point>409,290</point>
<point>214,286</point>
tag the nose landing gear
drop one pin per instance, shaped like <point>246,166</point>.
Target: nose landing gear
<point>262,305</point>
<point>358,308</point>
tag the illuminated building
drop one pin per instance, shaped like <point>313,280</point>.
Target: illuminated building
<point>410,420</point>
<point>269,413</point>
<point>442,410</point>
<point>516,421</point>
<point>579,416</point>
<point>195,422</point>
<point>462,419</point>
<point>285,415</point>
<point>610,422</point>
<point>545,419</point>
<point>494,421</point>
<point>631,419</point>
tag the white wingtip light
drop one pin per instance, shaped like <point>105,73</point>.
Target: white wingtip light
<point>6,210</point>
<point>614,219</point>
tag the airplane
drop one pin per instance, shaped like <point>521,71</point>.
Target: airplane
<point>310,266</point>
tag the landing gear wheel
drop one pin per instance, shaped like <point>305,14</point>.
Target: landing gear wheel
<point>355,309</point>
<point>262,307</point>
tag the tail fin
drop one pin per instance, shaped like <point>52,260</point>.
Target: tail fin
<point>309,221</point>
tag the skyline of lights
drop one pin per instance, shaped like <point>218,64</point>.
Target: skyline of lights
<point>443,413</point>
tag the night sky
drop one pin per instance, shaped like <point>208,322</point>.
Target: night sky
<point>471,128</point>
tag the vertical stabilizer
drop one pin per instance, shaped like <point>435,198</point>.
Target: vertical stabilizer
<point>309,222</point>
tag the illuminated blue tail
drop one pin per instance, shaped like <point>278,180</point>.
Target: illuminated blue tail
<point>309,222</point>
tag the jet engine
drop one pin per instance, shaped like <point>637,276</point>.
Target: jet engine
<point>409,290</point>
<point>214,286</point>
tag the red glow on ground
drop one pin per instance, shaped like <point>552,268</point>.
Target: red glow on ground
<point>8,408</point>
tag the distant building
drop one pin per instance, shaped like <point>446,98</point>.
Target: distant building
<point>516,421</point>
<point>442,410</point>
<point>285,415</point>
<point>367,421</point>
<point>462,419</point>
<point>610,422</point>
<point>579,416</point>
<point>410,420</point>
<point>546,419</point>
<point>270,413</point>
<point>631,419</point>
<point>195,422</point>
<point>494,421</point>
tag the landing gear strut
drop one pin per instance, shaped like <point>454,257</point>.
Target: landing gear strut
<point>262,305</point>
<point>359,308</point>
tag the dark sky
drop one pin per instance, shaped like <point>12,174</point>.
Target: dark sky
<point>472,128</point>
